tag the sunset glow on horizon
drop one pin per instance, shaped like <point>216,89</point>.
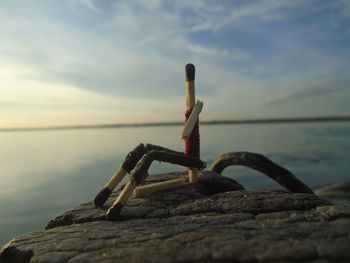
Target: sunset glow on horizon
<point>91,62</point>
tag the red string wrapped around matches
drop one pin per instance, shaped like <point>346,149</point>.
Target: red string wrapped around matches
<point>192,143</point>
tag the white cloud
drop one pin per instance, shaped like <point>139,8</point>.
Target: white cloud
<point>122,53</point>
<point>310,90</point>
<point>181,43</point>
<point>254,11</point>
<point>77,4</point>
<point>27,102</point>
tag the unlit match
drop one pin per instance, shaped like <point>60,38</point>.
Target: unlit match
<point>157,187</point>
<point>114,211</point>
<point>103,195</point>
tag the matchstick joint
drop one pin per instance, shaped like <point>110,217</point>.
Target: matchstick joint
<point>137,163</point>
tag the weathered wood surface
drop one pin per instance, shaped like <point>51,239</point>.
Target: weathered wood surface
<point>213,221</point>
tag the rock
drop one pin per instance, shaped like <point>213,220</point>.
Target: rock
<point>214,221</point>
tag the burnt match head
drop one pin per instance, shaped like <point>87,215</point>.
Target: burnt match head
<point>102,197</point>
<point>114,212</point>
<point>189,72</point>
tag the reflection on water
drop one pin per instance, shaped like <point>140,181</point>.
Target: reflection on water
<point>44,173</point>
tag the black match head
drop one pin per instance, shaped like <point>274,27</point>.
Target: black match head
<point>102,196</point>
<point>114,212</point>
<point>189,72</point>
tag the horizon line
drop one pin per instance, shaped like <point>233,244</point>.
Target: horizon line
<point>178,123</point>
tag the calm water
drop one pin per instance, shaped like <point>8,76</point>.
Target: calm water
<point>44,173</point>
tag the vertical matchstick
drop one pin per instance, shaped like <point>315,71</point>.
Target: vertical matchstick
<point>192,142</point>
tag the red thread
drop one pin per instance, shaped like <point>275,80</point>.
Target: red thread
<point>192,142</point>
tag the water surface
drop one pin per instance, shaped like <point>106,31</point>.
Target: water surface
<point>44,173</point>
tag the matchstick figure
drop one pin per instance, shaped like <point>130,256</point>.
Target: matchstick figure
<point>138,161</point>
<point>146,153</point>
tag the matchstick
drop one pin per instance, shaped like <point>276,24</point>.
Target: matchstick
<point>106,191</point>
<point>126,167</point>
<point>157,187</point>
<point>190,103</point>
<point>114,211</point>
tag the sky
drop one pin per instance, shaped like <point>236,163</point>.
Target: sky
<point>65,62</point>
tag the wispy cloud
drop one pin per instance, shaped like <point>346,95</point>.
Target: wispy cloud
<point>28,102</point>
<point>88,3</point>
<point>310,90</point>
<point>62,54</point>
<point>236,13</point>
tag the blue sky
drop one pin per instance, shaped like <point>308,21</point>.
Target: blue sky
<point>86,62</point>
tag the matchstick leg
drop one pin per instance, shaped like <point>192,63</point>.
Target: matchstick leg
<point>137,163</point>
<point>193,176</point>
<point>128,164</point>
<point>103,195</point>
<point>114,211</point>
<point>264,165</point>
<point>157,187</point>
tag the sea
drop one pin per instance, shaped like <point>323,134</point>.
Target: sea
<point>46,172</point>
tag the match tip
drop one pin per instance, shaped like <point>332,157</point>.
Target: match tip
<point>114,212</point>
<point>190,72</point>
<point>102,196</point>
